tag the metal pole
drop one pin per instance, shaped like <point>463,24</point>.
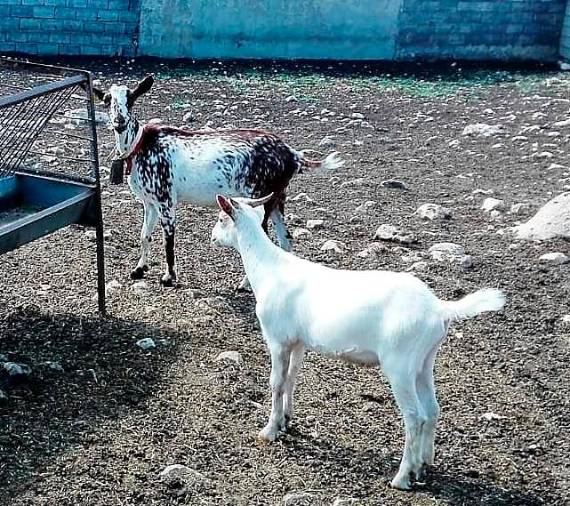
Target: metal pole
<point>98,211</point>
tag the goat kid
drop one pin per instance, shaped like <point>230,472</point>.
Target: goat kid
<point>375,318</point>
<point>167,165</point>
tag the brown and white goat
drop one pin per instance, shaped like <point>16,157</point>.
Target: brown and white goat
<point>167,165</point>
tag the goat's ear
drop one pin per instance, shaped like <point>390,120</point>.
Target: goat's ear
<point>99,94</point>
<point>226,206</point>
<point>142,87</point>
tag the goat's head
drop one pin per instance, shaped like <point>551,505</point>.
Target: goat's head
<point>233,212</point>
<point>119,101</point>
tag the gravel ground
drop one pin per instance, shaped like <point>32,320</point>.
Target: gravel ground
<point>99,431</point>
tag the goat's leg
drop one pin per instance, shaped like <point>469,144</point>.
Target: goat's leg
<point>295,363</point>
<point>168,222</point>
<point>279,367</point>
<point>426,393</point>
<point>283,235</point>
<point>404,389</point>
<point>149,224</point>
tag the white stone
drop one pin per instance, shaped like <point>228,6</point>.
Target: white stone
<point>491,204</point>
<point>140,288</point>
<point>332,245</point>
<point>552,220</point>
<point>369,204</point>
<point>14,369</point>
<point>483,129</point>
<point>112,287</point>
<point>302,196</point>
<point>433,211</point>
<point>491,416</point>
<point>177,471</point>
<point>146,344</point>
<point>189,117</point>
<point>519,208</point>
<point>302,233</point>
<point>447,252</point>
<point>418,266</point>
<point>291,98</point>
<point>554,258</point>
<point>354,182</point>
<point>562,123</point>
<point>566,318</point>
<point>391,233</point>
<point>54,366</point>
<point>357,115</point>
<point>374,250</point>
<point>327,142</point>
<point>315,224</point>
<point>234,356</point>
<point>298,499</point>
<point>466,262</point>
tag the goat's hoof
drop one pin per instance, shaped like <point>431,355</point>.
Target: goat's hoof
<point>401,482</point>
<point>168,281</point>
<point>266,436</point>
<point>138,272</point>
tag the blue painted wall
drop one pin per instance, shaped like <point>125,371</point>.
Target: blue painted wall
<point>270,29</point>
<point>70,27</point>
<point>337,29</point>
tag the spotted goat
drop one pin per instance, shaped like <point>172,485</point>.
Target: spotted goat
<point>166,165</point>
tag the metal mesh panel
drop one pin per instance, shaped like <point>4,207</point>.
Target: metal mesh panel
<point>46,124</point>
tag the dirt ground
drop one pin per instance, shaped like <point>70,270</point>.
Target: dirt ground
<point>100,431</point>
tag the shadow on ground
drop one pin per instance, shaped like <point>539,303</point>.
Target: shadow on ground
<point>103,374</point>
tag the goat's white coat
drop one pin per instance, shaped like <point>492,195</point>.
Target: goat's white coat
<point>370,317</point>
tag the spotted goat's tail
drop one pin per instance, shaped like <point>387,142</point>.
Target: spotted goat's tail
<point>331,162</point>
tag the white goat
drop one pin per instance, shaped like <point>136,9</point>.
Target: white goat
<point>375,318</point>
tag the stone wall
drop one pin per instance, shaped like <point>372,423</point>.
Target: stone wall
<point>319,29</point>
<point>491,29</point>
<point>70,27</point>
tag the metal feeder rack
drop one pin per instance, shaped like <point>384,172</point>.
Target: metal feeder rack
<point>49,165</point>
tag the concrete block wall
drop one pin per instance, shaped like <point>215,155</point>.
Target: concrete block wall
<point>321,29</point>
<point>476,29</point>
<point>69,27</point>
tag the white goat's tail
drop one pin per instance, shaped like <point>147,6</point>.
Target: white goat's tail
<point>488,299</point>
<point>331,162</point>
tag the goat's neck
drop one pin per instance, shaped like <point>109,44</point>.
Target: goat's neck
<point>124,141</point>
<point>259,255</point>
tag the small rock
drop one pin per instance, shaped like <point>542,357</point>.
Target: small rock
<point>491,416</point>
<point>566,319</point>
<point>189,117</point>
<point>302,233</point>
<point>480,191</point>
<point>299,499</point>
<point>291,98</point>
<point>140,288</point>
<point>369,204</point>
<point>483,129</point>
<point>357,115</point>
<point>563,123</point>
<point>112,287</point>
<point>495,215</point>
<point>234,356</point>
<point>14,369</point>
<point>433,211</point>
<point>146,344</point>
<point>519,208</point>
<point>195,293</point>
<point>328,142</point>
<point>344,502</point>
<point>490,204</point>
<point>391,233</point>
<point>332,245</point>
<point>394,183</point>
<point>302,196</point>
<point>552,220</point>
<point>554,258</point>
<point>177,471</point>
<point>354,182</point>
<point>3,358</point>
<point>374,250</point>
<point>466,262</point>
<point>447,252</point>
<point>315,224</point>
<point>54,366</point>
<point>418,266</point>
